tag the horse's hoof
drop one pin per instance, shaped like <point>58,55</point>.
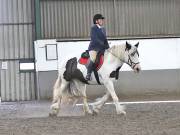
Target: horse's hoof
<point>95,113</point>
<point>89,113</point>
<point>86,113</point>
<point>95,110</point>
<point>52,114</point>
<point>121,110</point>
<point>121,113</point>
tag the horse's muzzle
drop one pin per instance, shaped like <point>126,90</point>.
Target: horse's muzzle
<point>137,68</point>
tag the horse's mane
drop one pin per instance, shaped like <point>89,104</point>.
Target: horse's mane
<point>117,50</point>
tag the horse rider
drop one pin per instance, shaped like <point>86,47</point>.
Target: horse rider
<point>98,42</point>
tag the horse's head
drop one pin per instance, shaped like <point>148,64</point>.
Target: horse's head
<point>132,56</point>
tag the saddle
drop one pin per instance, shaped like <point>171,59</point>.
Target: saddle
<point>85,58</point>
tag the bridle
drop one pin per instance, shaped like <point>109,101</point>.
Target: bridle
<point>130,62</point>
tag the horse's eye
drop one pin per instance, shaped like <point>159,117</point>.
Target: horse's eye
<point>132,54</point>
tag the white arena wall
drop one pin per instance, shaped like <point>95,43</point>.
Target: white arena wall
<point>159,78</point>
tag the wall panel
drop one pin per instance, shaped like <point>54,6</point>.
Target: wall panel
<point>16,43</point>
<point>124,18</point>
<point>16,86</point>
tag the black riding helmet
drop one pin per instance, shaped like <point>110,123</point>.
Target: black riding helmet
<point>96,17</point>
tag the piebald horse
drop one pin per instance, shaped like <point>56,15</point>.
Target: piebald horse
<point>114,58</point>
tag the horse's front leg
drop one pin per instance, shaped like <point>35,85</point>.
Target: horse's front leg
<point>98,104</point>
<point>110,87</point>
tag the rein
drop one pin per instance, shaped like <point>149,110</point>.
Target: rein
<point>114,55</point>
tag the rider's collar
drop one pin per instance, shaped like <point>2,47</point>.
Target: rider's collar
<point>98,26</point>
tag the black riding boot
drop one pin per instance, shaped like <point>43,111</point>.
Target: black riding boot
<point>89,70</point>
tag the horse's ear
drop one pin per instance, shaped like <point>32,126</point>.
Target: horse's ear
<point>128,46</point>
<point>136,45</point>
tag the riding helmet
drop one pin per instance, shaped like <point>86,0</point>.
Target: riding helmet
<point>96,17</point>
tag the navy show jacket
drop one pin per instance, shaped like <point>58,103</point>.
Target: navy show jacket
<point>98,39</point>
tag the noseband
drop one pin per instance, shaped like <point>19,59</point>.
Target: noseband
<point>131,63</point>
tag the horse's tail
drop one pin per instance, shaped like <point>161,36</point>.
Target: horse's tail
<point>70,91</point>
<point>73,90</point>
<point>70,95</point>
<point>56,89</point>
<point>57,83</point>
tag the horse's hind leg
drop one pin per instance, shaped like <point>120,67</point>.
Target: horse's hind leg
<point>55,107</point>
<point>82,88</point>
<point>98,104</point>
<point>59,87</point>
<point>85,106</point>
<point>110,87</point>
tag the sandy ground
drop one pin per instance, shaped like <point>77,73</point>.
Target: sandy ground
<point>31,118</point>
